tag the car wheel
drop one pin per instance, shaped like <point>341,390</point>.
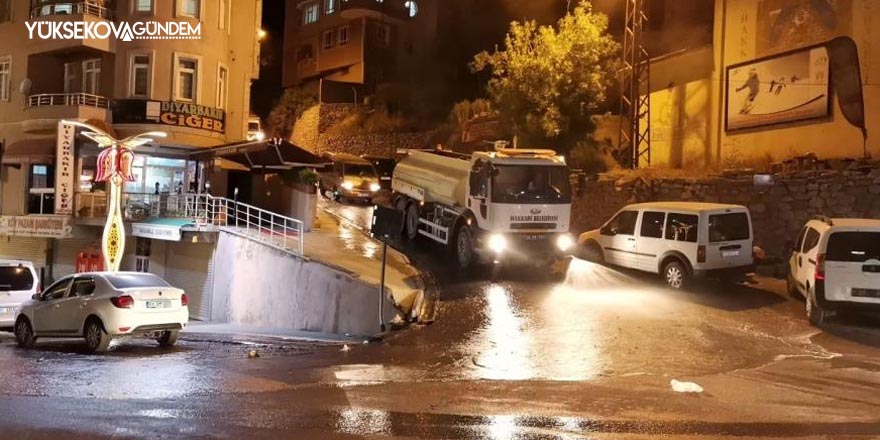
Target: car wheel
<point>24,333</point>
<point>676,275</point>
<point>815,313</point>
<point>168,338</point>
<point>464,247</point>
<point>336,196</point>
<point>97,340</point>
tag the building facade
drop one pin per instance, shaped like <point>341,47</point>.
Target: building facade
<point>763,88</point>
<point>362,42</point>
<point>194,87</point>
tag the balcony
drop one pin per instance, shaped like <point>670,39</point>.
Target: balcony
<point>53,106</point>
<point>44,16</point>
<point>372,8</point>
<point>72,8</point>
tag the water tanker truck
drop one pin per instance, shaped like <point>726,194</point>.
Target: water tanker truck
<point>495,206</point>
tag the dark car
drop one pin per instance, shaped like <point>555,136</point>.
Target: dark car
<point>384,167</point>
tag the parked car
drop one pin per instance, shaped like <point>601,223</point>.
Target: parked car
<point>679,240</point>
<point>101,306</point>
<point>18,283</point>
<point>835,265</point>
<point>350,178</point>
<point>384,167</point>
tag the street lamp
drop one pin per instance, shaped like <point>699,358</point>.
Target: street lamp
<point>114,166</point>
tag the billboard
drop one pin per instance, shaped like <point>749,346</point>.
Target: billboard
<point>788,24</point>
<point>789,87</point>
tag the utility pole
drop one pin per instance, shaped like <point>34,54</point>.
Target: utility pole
<point>635,99</point>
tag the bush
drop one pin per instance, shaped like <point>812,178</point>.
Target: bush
<point>590,158</point>
<point>288,109</point>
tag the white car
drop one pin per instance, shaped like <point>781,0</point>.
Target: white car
<point>835,265</point>
<point>102,306</point>
<point>679,240</point>
<point>18,283</point>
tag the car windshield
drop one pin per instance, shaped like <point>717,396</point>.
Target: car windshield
<point>855,247</point>
<point>729,227</point>
<point>129,281</point>
<point>359,170</point>
<point>384,166</point>
<point>531,184</point>
<point>15,278</point>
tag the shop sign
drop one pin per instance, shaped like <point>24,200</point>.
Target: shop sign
<point>177,114</point>
<point>64,170</point>
<point>158,232</point>
<point>37,226</point>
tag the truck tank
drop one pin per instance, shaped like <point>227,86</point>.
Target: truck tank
<point>443,179</point>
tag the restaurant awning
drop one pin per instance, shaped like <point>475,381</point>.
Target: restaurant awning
<point>269,154</point>
<point>39,150</point>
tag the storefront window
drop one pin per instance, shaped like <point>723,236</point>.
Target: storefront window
<point>41,189</point>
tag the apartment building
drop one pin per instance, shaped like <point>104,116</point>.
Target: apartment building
<point>194,86</point>
<point>362,42</point>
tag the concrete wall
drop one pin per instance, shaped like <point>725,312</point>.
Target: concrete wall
<point>260,286</point>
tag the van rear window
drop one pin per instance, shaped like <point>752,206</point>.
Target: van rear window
<point>729,227</point>
<point>15,278</point>
<point>853,246</point>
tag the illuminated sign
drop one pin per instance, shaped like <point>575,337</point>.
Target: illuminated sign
<point>172,113</point>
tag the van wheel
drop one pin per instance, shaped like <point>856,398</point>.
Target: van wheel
<point>591,251</point>
<point>464,247</point>
<point>791,286</point>
<point>168,338</point>
<point>24,333</point>
<point>96,338</point>
<point>411,227</point>
<point>815,313</point>
<point>676,274</point>
<point>336,196</point>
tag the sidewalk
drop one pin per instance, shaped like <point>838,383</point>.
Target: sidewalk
<point>235,332</point>
<point>345,247</point>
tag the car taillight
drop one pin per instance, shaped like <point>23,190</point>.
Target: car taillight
<point>701,254</point>
<point>820,267</point>
<point>184,300</point>
<point>123,302</point>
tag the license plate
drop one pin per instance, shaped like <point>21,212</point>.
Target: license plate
<point>158,304</point>
<point>866,293</point>
<point>729,254</point>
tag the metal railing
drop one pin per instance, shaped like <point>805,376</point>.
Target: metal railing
<point>68,99</point>
<point>285,233</point>
<point>72,8</point>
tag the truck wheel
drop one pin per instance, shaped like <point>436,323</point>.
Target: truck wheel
<point>464,247</point>
<point>411,227</point>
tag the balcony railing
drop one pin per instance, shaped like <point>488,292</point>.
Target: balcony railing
<point>72,8</point>
<point>68,99</point>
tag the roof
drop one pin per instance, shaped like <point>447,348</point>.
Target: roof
<point>275,154</point>
<point>851,222</point>
<point>686,206</point>
<point>347,157</point>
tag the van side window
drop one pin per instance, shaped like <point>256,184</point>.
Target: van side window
<point>682,227</point>
<point>652,224</point>
<point>811,240</point>
<point>800,240</point>
<point>624,223</point>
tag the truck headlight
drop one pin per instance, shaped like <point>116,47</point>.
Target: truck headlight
<point>564,242</point>
<point>497,243</point>
<point>347,186</point>
<point>375,187</point>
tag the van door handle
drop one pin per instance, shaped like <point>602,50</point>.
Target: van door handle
<point>630,239</point>
<point>800,261</point>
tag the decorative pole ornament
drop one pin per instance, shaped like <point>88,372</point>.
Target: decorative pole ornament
<point>115,167</point>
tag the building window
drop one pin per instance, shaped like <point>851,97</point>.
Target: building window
<point>383,34</point>
<point>222,86</point>
<point>5,11</point>
<point>187,79</point>
<point>343,36</point>
<point>142,251</point>
<point>412,7</point>
<point>310,13</point>
<point>189,8</point>
<point>91,76</point>
<point>329,7</point>
<point>5,78</point>
<point>69,77</point>
<point>329,40</point>
<point>140,76</point>
<point>143,6</point>
<point>41,189</point>
<point>224,5</point>
<point>306,52</point>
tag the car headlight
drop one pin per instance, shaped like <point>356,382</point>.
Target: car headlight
<point>564,242</point>
<point>497,243</point>
<point>347,186</point>
<point>375,187</point>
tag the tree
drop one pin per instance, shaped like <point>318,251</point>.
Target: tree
<point>289,108</point>
<point>547,80</point>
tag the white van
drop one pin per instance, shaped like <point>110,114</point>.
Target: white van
<point>835,265</point>
<point>679,240</point>
<point>18,283</point>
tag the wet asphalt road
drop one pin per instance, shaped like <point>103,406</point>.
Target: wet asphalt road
<point>591,357</point>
